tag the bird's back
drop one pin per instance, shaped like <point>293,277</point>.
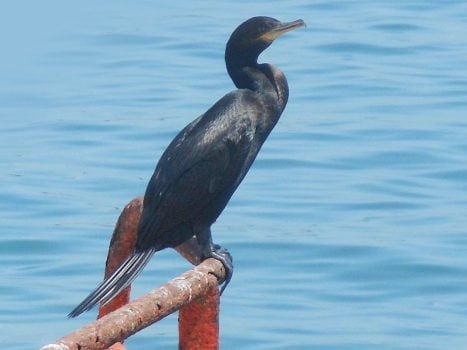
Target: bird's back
<point>200,170</point>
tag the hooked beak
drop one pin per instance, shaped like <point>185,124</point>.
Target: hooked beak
<point>283,28</point>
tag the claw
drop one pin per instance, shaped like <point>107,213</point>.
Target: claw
<point>223,255</point>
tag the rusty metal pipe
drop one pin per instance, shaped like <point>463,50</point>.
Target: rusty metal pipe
<point>195,292</point>
<point>144,311</point>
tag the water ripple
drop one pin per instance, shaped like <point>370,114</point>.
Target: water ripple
<point>372,49</point>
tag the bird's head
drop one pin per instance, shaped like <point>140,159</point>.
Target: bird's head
<point>254,35</point>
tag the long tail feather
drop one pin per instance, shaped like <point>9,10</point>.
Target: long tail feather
<point>115,283</point>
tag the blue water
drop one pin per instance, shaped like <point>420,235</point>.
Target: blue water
<point>348,233</point>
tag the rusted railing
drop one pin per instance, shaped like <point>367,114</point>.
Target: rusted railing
<point>195,293</point>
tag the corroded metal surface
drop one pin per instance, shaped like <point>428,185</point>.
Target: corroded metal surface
<point>198,323</point>
<point>145,310</point>
<point>196,291</point>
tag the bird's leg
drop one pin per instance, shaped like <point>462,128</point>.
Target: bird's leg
<point>211,250</point>
<point>191,250</point>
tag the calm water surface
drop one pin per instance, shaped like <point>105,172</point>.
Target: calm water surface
<point>348,233</point>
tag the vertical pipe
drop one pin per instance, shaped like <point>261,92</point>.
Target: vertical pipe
<point>198,323</point>
<point>121,246</point>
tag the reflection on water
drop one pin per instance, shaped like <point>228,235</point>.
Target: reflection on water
<point>348,232</point>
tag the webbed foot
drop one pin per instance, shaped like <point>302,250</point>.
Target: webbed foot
<point>222,254</point>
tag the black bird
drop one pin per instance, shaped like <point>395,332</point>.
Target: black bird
<point>203,166</point>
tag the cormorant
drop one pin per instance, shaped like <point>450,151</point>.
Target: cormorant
<point>202,167</point>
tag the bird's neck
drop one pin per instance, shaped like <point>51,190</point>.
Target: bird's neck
<point>265,79</point>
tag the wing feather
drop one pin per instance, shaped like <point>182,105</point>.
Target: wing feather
<point>115,283</point>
